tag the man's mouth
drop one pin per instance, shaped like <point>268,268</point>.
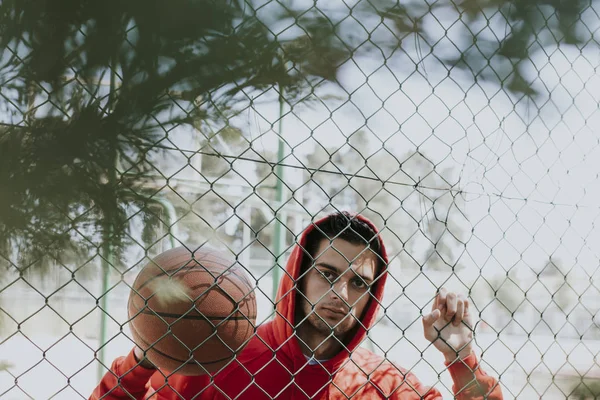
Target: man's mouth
<point>336,310</point>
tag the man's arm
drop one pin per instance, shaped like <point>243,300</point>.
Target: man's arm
<point>449,327</point>
<point>134,377</point>
<point>127,379</point>
<point>470,383</point>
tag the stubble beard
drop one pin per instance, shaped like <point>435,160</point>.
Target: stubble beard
<point>321,326</point>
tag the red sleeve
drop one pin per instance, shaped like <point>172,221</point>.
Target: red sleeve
<point>125,380</point>
<point>419,391</point>
<point>471,382</point>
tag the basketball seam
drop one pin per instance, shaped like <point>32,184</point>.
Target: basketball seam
<point>191,268</point>
<point>193,362</point>
<point>233,301</point>
<point>194,317</point>
<point>198,261</point>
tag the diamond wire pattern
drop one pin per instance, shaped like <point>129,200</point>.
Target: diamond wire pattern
<point>339,175</point>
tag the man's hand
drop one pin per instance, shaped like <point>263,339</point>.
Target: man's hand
<point>449,326</point>
<point>141,358</point>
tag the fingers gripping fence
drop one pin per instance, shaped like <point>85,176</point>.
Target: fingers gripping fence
<point>465,130</point>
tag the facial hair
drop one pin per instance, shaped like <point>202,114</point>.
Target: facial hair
<point>319,324</point>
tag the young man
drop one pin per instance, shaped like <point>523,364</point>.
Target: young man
<point>326,302</point>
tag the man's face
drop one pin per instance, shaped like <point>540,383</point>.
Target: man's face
<point>336,287</point>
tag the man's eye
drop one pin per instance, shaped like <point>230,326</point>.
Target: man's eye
<point>359,283</point>
<point>328,275</point>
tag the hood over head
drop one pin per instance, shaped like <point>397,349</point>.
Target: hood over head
<point>284,320</point>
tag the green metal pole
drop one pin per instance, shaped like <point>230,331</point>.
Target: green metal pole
<point>107,261</point>
<point>279,238</point>
<point>107,250</point>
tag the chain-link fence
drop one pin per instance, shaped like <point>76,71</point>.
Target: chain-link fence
<point>465,130</point>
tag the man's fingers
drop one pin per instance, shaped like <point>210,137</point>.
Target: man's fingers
<point>441,298</point>
<point>460,307</point>
<point>467,316</point>
<point>451,306</point>
<point>430,318</point>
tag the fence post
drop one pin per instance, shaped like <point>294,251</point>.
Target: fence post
<point>278,236</point>
<point>107,250</point>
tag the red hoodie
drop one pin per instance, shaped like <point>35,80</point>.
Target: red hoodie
<point>273,366</point>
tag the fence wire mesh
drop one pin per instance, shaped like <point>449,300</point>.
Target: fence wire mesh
<point>465,130</point>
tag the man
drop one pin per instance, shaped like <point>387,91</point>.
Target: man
<point>327,301</point>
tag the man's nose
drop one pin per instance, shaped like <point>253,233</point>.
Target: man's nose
<point>340,290</point>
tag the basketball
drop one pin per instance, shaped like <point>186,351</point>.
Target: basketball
<point>192,312</point>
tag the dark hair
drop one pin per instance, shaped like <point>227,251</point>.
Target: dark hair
<point>345,226</point>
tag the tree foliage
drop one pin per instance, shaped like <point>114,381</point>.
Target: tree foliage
<point>90,89</point>
<point>60,146</point>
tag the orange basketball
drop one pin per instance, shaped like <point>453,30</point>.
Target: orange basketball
<point>192,312</point>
